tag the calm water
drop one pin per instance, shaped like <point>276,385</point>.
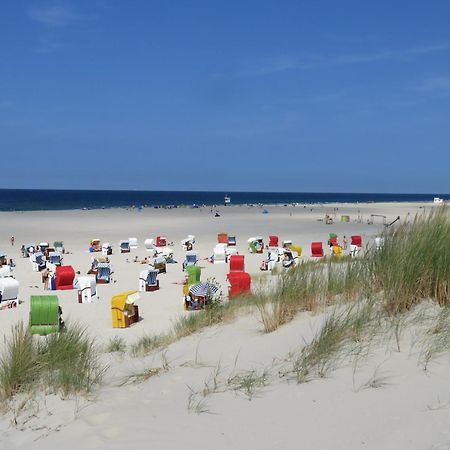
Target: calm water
<point>32,200</point>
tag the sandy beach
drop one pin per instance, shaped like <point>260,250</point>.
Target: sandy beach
<point>410,412</point>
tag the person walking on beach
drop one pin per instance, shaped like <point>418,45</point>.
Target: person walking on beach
<point>345,241</point>
<point>45,278</point>
<point>12,240</point>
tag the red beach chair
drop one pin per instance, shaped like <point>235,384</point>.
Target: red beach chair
<point>356,240</point>
<point>316,249</point>
<point>222,238</point>
<point>273,241</point>
<point>240,283</point>
<point>161,241</point>
<point>237,263</point>
<point>64,278</point>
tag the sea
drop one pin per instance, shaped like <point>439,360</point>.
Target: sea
<point>41,199</point>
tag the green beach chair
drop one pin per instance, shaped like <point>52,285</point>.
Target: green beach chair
<point>45,315</point>
<point>194,273</point>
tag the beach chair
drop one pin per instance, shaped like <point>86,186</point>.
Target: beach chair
<point>148,281</point>
<point>222,238</point>
<point>337,251</point>
<point>166,253</point>
<point>273,241</point>
<point>45,315</point>
<point>125,246</point>
<point>239,284</point>
<point>64,277</point>
<point>123,309</point>
<point>43,247</point>
<point>188,243</point>
<point>133,243</point>
<point>298,249</point>
<point>289,258</point>
<point>191,259</point>
<point>232,240</point>
<point>161,241</point>
<point>256,244</point>
<point>39,262</point>
<point>107,249</point>
<point>96,245</point>
<point>316,249</point>
<point>194,274</point>
<point>354,250</point>
<point>103,275</point>
<point>86,287</point>
<point>159,264</point>
<point>356,240</point>
<point>5,271</point>
<point>332,239</point>
<point>54,259</point>
<point>237,263</point>
<point>219,256</point>
<point>287,244</point>
<point>149,245</point>
<point>9,293</point>
<point>59,246</point>
<point>379,242</point>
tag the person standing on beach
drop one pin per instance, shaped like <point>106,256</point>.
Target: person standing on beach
<point>12,240</point>
<point>345,241</point>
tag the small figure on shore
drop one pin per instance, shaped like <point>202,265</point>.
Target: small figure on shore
<point>12,240</point>
<point>46,278</point>
<point>345,241</point>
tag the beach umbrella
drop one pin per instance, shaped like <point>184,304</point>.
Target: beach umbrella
<point>203,289</point>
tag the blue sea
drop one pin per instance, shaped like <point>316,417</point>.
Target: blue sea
<point>36,199</point>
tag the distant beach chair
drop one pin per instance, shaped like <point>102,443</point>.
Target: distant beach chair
<point>124,311</point>
<point>237,263</point>
<point>9,293</point>
<point>64,277</point>
<point>86,287</point>
<point>148,280</point>
<point>273,241</point>
<point>103,274</point>
<point>231,240</point>
<point>316,249</point>
<point>125,246</point>
<point>222,238</point>
<point>191,259</point>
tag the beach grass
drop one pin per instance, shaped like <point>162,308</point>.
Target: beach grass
<point>63,363</point>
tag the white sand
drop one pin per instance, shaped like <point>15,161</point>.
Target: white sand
<point>322,414</point>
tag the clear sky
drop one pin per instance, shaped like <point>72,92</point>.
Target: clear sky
<point>328,96</point>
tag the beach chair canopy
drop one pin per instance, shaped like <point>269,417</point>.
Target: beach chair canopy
<point>203,290</point>
<point>133,242</point>
<point>64,278</point>
<point>58,245</point>
<point>273,241</point>
<point>337,251</point>
<point>44,314</point>
<point>39,258</point>
<point>9,289</point>
<point>151,277</point>
<point>356,240</point>
<point>231,240</point>
<point>297,248</point>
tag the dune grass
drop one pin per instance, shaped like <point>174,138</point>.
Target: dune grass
<point>116,345</point>
<point>63,363</point>
<point>414,263</point>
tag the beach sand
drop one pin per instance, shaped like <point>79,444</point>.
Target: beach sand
<point>323,414</point>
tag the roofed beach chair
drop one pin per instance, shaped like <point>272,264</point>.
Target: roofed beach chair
<point>9,293</point>
<point>239,283</point>
<point>316,249</point>
<point>123,310</point>
<point>148,280</point>
<point>191,259</point>
<point>45,315</point>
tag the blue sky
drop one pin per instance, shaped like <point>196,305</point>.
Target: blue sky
<point>324,96</point>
